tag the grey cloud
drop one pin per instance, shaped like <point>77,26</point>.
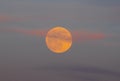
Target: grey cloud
<point>80,69</point>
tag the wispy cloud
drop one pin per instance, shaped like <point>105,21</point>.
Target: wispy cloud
<point>8,18</point>
<point>83,13</point>
<point>78,36</point>
<point>88,35</point>
<point>4,18</point>
<point>38,32</point>
<point>79,72</point>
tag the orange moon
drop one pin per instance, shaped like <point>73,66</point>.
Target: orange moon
<point>58,39</point>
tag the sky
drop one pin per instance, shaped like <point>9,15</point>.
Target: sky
<point>95,52</point>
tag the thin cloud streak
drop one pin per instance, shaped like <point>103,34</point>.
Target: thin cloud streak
<point>77,35</point>
<point>86,14</point>
<point>77,71</point>
<point>86,35</point>
<point>40,33</point>
<point>7,18</point>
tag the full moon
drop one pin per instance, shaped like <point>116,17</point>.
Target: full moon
<point>58,39</point>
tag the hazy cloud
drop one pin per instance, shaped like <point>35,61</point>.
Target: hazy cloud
<point>80,72</point>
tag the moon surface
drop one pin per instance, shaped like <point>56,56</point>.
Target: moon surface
<point>58,39</point>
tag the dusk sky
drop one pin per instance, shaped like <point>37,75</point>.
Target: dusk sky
<point>95,52</point>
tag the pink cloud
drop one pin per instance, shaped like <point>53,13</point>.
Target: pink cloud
<point>41,32</point>
<point>7,18</point>
<point>78,36</point>
<point>4,18</point>
<point>87,36</point>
